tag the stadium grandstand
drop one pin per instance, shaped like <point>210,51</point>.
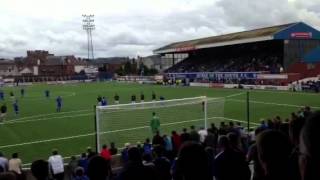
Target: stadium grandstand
<point>254,56</point>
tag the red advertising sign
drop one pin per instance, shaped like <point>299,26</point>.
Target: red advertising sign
<point>305,35</point>
<point>185,48</point>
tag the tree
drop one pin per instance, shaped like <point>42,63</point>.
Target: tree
<point>120,71</point>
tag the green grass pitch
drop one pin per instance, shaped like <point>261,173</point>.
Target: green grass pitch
<point>31,132</point>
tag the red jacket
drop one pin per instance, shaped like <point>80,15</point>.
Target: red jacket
<point>105,153</point>
<point>176,140</point>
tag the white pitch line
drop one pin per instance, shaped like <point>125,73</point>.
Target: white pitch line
<point>271,103</point>
<point>48,140</point>
<point>60,117</point>
<point>36,98</point>
<point>233,95</point>
<point>46,119</point>
<point>287,92</point>
<point>108,132</point>
<point>49,114</point>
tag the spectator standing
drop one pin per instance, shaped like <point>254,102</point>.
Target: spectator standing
<point>252,156</point>
<point>15,164</point>
<point>79,174</point>
<point>124,153</point>
<point>90,152</point>
<point>3,163</point>
<point>83,162</point>
<point>138,145</point>
<point>202,134</point>
<point>147,147</point>
<point>270,124</point>
<point>56,165</point>
<point>213,129</point>
<point>167,143</point>
<point>274,150</point>
<point>192,163</point>
<point>162,164</point>
<point>228,160</point>
<point>40,169</point>
<point>176,142</point>
<point>295,126</point>
<point>105,153</point>
<point>72,165</point>
<point>223,130</point>
<point>194,136</point>
<point>98,168</point>
<point>210,140</point>
<point>234,142</point>
<point>113,150</point>
<point>309,159</point>
<point>157,139</point>
<point>185,136</point>
<point>134,169</point>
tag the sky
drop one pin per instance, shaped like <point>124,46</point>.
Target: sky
<point>136,27</point>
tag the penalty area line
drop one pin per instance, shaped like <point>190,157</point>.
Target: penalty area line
<point>271,103</point>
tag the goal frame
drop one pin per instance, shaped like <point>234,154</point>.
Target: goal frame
<point>204,99</point>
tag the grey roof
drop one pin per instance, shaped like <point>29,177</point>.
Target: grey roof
<point>56,60</point>
<point>7,62</point>
<point>110,60</point>
<point>255,33</point>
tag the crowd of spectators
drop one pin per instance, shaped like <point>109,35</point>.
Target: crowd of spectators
<point>239,64</point>
<point>277,149</point>
<point>311,86</point>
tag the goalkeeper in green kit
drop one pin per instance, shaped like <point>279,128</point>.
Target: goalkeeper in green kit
<point>155,123</point>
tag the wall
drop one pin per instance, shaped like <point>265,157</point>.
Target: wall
<point>306,70</point>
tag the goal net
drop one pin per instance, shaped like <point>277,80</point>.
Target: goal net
<point>130,123</point>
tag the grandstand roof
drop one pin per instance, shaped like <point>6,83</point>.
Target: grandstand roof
<point>268,33</point>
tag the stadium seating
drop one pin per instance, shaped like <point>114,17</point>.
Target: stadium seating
<point>240,59</point>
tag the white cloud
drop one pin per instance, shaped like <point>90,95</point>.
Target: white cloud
<point>130,28</point>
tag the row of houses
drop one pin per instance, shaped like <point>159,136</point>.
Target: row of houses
<point>40,65</point>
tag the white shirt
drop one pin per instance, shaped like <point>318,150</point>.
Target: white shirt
<point>15,165</point>
<point>56,164</point>
<point>203,133</point>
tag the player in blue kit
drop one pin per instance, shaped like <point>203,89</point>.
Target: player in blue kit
<point>104,101</point>
<point>1,95</point>
<point>59,103</point>
<point>16,107</point>
<point>47,94</point>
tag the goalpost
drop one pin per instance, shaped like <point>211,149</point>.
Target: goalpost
<point>130,123</point>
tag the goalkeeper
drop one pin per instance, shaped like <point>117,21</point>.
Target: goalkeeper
<point>155,123</point>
